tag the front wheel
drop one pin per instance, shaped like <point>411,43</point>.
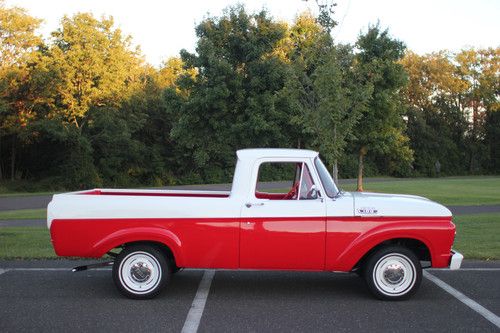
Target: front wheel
<point>141,271</point>
<point>393,273</point>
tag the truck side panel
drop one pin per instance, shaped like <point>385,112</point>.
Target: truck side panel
<point>195,242</point>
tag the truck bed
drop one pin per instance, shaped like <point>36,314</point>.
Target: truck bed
<point>157,193</point>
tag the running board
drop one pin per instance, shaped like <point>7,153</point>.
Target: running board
<point>97,265</point>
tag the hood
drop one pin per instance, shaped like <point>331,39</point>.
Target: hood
<point>383,204</point>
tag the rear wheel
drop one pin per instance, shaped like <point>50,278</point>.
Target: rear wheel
<point>393,273</point>
<point>141,271</point>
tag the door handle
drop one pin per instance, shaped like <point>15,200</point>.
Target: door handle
<point>249,204</point>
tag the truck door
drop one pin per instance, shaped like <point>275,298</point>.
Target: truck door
<point>283,228</point>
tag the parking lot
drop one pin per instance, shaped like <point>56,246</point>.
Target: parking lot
<point>44,295</point>
<point>47,296</point>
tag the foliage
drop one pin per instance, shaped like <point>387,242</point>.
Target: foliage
<point>233,100</point>
<point>18,46</point>
<point>94,64</point>
<point>83,109</point>
<point>452,101</point>
<point>381,127</point>
<point>342,100</point>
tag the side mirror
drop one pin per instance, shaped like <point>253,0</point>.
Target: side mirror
<point>313,193</point>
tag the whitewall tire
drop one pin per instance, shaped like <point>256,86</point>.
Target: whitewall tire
<point>141,271</point>
<point>393,273</point>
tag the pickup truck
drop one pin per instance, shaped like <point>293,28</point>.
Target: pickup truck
<point>310,226</point>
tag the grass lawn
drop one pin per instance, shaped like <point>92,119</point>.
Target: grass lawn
<point>23,214</point>
<point>477,238</point>
<point>25,243</point>
<point>447,191</point>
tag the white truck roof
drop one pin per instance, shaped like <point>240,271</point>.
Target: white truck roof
<point>246,154</point>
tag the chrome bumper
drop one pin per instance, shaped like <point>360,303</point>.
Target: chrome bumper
<point>456,260</point>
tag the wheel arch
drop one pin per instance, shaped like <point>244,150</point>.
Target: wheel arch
<point>417,246</point>
<point>164,249</point>
<point>164,240</point>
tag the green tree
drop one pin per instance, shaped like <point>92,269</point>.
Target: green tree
<point>18,48</point>
<point>306,46</point>
<point>91,71</point>
<point>450,99</point>
<point>436,123</point>
<point>341,101</point>
<point>95,66</point>
<point>152,111</point>
<point>479,70</point>
<point>492,139</point>
<point>233,100</point>
<point>381,127</point>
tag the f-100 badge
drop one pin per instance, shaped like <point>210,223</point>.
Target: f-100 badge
<point>367,210</point>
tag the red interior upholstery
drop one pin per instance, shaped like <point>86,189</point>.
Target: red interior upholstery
<point>270,196</point>
<point>158,194</point>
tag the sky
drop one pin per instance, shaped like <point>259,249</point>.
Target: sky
<point>162,27</point>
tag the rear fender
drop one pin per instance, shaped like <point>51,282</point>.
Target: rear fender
<point>140,234</point>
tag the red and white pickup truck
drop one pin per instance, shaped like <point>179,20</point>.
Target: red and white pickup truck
<point>311,226</point>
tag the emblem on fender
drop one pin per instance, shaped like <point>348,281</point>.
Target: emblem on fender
<point>367,210</point>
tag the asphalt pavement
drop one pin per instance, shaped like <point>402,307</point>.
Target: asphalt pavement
<point>45,296</point>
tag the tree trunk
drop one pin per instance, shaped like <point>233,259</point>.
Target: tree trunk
<point>362,153</point>
<point>335,172</point>
<point>13,159</point>
<point>471,163</point>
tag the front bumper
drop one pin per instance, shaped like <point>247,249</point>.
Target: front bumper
<point>456,260</point>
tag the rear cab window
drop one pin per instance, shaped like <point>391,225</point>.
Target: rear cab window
<point>285,181</point>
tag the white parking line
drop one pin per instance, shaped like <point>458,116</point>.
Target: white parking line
<point>194,315</point>
<point>490,316</point>
<point>3,271</point>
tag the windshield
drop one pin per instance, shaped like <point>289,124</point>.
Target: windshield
<point>327,181</point>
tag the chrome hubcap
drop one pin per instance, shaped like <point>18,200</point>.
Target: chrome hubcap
<point>140,271</point>
<point>394,273</point>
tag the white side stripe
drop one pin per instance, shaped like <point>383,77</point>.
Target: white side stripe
<point>194,316</point>
<point>490,316</point>
<point>3,271</point>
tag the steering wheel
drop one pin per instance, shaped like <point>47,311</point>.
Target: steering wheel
<point>292,192</point>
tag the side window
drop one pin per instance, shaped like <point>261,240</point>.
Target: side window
<point>284,181</point>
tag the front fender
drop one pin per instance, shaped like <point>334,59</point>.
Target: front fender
<point>435,233</point>
<point>353,254</point>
